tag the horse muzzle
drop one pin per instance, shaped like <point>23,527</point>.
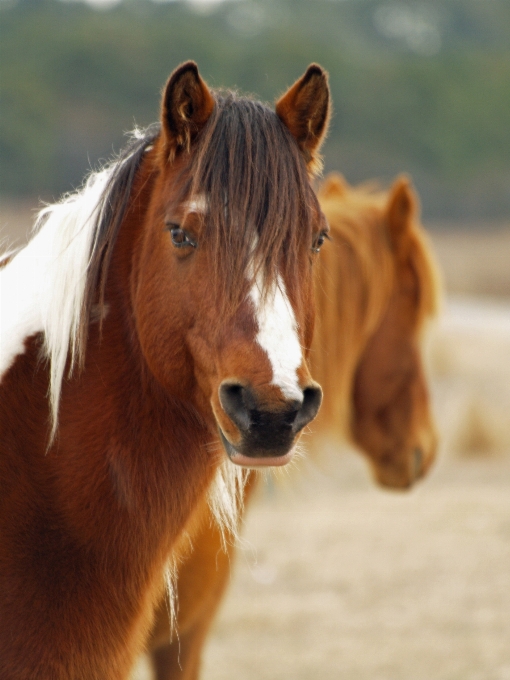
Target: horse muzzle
<point>404,471</point>
<point>266,435</point>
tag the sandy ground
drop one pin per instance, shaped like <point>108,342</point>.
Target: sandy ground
<point>343,581</point>
<point>469,356</point>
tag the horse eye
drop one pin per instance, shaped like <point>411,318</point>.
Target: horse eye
<point>180,238</point>
<point>319,241</point>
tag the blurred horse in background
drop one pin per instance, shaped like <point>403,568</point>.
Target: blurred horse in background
<point>155,331</point>
<point>376,287</point>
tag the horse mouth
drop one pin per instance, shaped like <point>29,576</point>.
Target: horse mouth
<point>256,460</point>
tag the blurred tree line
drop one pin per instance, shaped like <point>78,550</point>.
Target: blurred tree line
<point>422,87</point>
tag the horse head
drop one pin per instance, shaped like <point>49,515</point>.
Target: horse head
<point>223,295</point>
<point>391,417</point>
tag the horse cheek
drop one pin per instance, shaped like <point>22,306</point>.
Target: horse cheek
<point>202,339</point>
<point>162,320</point>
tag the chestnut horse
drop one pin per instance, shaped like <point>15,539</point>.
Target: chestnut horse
<point>376,287</point>
<point>168,303</point>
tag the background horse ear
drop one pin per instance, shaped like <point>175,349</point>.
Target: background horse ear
<point>305,110</point>
<point>185,109</point>
<point>401,210</point>
<point>335,185</point>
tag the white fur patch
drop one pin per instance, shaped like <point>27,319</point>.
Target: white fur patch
<point>226,498</point>
<point>198,204</point>
<point>20,312</point>
<point>278,336</point>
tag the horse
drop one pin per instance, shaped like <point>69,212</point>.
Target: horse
<point>376,287</point>
<point>155,339</point>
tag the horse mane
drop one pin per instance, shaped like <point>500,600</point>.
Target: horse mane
<point>75,238</point>
<point>355,282</point>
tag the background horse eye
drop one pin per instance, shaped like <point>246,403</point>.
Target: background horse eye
<point>180,238</point>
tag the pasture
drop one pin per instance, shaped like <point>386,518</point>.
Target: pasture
<point>338,579</point>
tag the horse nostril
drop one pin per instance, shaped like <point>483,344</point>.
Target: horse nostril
<point>289,417</point>
<point>233,398</point>
<point>242,407</point>
<point>312,398</point>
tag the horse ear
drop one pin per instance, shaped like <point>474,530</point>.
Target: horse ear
<point>334,186</point>
<point>185,109</point>
<point>401,210</point>
<point>305,110</point>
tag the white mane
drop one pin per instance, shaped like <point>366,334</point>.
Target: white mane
<point>44,284</point>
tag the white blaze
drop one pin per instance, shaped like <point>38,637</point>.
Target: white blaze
<point>278,336</point>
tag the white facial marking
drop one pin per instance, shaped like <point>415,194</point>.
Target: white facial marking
<point>198,204</point>
<point>278,336</point>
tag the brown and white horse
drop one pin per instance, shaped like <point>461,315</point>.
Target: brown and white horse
<point>376,287</point>
<point>168,303</point>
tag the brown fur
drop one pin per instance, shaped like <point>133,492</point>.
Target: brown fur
<point>377,286</point>
<point>87,525</point>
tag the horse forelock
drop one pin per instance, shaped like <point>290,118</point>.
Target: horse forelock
<point>248,171</point>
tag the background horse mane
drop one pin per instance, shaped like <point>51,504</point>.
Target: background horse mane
<point>373,232</point>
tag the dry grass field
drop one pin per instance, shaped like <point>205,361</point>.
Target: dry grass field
<point>336,579</point>
<point>341,581</point>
